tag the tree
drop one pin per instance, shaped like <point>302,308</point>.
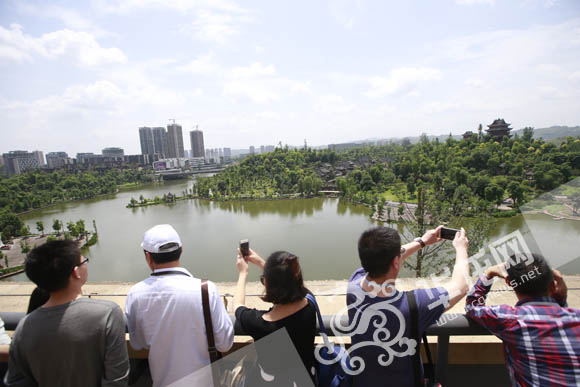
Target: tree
<point>10,225</point>
<point>40,227</point>
<point>516,192</point>
<point>494,193</point>
<point>575,199</point>
<point>80,227</point>
<point>25,230</point>
<point>72,229</point>
<point>56,226</point>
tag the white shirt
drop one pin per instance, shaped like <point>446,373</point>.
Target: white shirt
<point>165,315</point>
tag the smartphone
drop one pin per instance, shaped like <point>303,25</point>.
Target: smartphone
<point>448,233</point>
<point>245,247</point>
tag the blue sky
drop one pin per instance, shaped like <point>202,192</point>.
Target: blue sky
<point>79,76</point>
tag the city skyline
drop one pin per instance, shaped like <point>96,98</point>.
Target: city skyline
<point>81,76</point>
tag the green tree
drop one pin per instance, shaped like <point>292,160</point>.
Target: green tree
<point>40,227</point>
<point>10,225</point>
<point>80,227</point>
<point>56,226</point>
<point>494,193</point>
<point>72,229</point>
<point>25,230</point>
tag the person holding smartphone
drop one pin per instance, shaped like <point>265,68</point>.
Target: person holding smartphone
<point>284,288</point>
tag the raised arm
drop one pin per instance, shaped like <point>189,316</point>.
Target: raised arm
<point>240,294</point>
<point>458,286</point>
<point>475,308</point>
<point>429,238</point>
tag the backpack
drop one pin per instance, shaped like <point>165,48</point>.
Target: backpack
<point>332,359</point>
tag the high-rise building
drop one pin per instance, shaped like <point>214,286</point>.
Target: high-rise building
<point>39,156</point>
<point>146,140</point>
<point>160,141</point>
<point>113,154</point>
<point>227,154</point>
<point>197,146</point>
<point>252,150</point>
<point>16,162</point>
<point>1,160</point>
<point>57,159</point>
<point>89,158</point>
<point>174,141</point>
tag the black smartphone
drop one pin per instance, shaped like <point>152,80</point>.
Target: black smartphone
<point>245,247</point>
<point>448,233</point>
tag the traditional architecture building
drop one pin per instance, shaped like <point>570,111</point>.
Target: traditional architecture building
<point>467,135</point>
<point>499,129</point>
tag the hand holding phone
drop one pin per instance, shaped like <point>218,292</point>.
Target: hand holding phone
<point>245,248</point>
<point>448,233</point>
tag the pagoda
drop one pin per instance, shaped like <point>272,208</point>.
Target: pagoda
<point>499,129</point>
<point>467,135</point>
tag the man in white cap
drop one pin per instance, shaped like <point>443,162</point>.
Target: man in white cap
<point>165,313</point>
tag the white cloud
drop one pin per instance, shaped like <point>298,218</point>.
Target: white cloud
<point>82,47</point>
<point>575,76</point>
<point>127,6</point>
<point>203,65</point>
<point>216,27</point>
<point>69,17</point>
<point>401,80</point>
<point>256,69</point>
<point>260,84</point>
<point>472,2</point>
<point>474,82</point>
<point>346,12</point>
<point>333,104</point>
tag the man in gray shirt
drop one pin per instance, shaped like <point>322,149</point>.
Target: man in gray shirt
<point>69,341</point>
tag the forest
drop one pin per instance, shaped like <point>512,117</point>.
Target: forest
<point>464,175</point>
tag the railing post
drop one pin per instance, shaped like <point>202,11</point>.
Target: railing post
<point>442,359</point>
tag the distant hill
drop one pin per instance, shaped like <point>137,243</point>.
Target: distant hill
<point>552,132</point>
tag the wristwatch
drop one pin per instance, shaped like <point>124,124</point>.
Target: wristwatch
<point>420,242</point>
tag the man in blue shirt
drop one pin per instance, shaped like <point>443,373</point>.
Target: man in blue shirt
<point>379,316</point>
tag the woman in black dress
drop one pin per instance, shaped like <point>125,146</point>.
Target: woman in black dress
<point>284,288</point>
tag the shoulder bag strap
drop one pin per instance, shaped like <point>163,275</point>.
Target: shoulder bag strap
<point>429,365</point>
<point>321,327</point>
<point>414,331</point>
<point>213,352</point>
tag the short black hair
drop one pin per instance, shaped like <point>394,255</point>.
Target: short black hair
<point>50,265</point>
<point>530,279</point>
<point>377,247</point>
<point>284,283</point>
<point>171,256</point>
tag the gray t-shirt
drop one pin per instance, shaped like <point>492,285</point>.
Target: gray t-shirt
<point>81,343</point>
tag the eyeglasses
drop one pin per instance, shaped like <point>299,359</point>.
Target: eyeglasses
<point>86,260</point>
<point>262,279</point>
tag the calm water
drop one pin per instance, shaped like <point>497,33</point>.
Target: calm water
<point>322,232</point>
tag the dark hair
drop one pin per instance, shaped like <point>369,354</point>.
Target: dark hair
<point>377,247</point>
<point>529,279</point>
<point>160,258</point>
<point>284,283</point>
<point>50,265</point>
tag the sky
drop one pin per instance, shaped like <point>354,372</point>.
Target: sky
<point>79,76</point>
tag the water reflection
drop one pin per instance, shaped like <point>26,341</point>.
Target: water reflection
<point>289,208</point>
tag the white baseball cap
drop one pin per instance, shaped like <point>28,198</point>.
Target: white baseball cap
<point>161,239</point>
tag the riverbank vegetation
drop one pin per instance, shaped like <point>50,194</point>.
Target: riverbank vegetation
<point>479,171</point>
<point>37,189</point>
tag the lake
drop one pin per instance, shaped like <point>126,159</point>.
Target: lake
<point>323,232</point>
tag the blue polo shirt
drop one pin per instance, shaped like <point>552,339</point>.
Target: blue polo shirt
<point>381,331</point>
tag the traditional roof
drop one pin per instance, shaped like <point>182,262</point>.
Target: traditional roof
<point>498,125</point>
